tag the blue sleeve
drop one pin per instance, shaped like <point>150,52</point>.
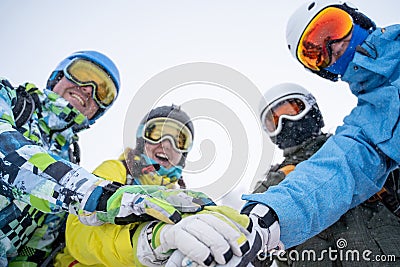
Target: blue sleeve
<point>346,171</point>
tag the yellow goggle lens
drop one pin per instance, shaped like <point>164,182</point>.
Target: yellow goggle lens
<point>159,129</point>
<point>84,72</point>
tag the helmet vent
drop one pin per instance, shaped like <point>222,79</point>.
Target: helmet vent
<point>311,6</point>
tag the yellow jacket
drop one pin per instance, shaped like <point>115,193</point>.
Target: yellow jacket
<point>105,245</point>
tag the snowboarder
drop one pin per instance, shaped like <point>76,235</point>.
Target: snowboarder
<point>293,121</point>
<point>39,138</point>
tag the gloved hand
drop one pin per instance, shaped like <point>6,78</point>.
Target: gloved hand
<point>263,235</point>
<point>132,203</point>
<point>207,237</point>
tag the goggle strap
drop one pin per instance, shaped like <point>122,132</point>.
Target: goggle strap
<point>326,74</point>
<point>359,18</point>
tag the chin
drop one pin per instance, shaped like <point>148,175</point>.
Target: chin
<point>166,166</point>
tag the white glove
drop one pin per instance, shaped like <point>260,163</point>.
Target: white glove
<point>177,259</point>
<point>263,235</point>
<point>207,238</point>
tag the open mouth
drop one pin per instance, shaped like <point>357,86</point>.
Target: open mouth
<point>162,158</point>
<point>78,98</point>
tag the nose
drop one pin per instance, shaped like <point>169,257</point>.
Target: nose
<point>166,144</point>
<point>88,90</point>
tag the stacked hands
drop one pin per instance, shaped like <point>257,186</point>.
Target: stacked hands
<point>220,236</point>
<point>190,229</point>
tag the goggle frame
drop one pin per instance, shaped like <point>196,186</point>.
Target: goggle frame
<point>169,137</point>
<point>308,101</point>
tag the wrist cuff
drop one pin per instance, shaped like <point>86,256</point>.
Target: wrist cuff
<point>266,216</point>
<point>107,192</point>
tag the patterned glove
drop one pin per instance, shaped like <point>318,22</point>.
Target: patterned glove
<point>262,236</point>
<point>132,203</point>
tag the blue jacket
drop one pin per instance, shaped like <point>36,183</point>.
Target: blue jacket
<point>354,163</point>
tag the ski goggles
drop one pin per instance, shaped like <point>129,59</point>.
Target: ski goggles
<point>292,107</point>
<point>159,129</point>
<point>86,73</point>
<point>330,25</point>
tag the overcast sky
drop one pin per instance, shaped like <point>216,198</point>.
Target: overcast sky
<point>145,38</point>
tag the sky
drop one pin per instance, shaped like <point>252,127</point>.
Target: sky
<point>145,38</point>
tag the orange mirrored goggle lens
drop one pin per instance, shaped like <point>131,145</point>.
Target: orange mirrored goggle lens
<point>289,107</point>
<point>331,24</point>
<point>84,73</point>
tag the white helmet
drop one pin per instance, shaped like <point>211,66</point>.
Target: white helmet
<point>291,129</point>
<point>300,19</point>
<point>279,91</point>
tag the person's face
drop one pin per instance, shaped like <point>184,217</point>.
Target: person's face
<point>163,153</point>
<point>80,97</point>
<point>338,48</point>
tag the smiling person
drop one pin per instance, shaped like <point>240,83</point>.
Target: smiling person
<point>39,153</point>
<point>79,97</point>
<point>163,140</point>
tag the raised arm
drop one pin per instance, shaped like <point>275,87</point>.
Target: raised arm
<point>346,171</point>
